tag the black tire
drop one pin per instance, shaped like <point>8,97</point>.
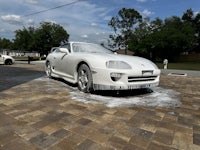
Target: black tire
<point>48,69</point>
<point>85,82</point>
<point>8,62</point>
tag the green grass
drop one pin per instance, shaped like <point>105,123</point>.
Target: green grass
<point>181,66</point>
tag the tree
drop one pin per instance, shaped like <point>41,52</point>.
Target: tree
<point>188,16</point>
<point>157,39</point>
<point>50,35</point>
<point>41,39</point>
<point>197,32</point>
<point>24,39</point>
<point>123,26</point>
<point>144,39</point>
<point>174,38</point>
<point>5,43</point>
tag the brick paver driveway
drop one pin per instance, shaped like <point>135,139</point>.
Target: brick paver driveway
<point>37,114</point>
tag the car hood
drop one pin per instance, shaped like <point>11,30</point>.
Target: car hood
<point>134,61</point>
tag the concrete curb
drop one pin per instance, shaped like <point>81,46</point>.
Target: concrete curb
<point>180,72</point>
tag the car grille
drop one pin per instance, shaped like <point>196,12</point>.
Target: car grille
<point>141,79</point>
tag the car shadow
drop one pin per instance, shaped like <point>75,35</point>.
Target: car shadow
<point>123,93</point>
<point>13,76</point>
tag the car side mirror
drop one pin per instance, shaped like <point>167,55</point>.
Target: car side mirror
<point>64,50</point>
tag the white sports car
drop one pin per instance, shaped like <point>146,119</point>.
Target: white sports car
<point>6,60</point>
<point>93,67</point>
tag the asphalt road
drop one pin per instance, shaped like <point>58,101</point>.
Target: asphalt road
<point>14,75</point>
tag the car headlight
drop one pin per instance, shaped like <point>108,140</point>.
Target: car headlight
<point>117,65</point>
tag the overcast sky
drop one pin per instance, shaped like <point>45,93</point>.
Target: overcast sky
<point>85,20</point>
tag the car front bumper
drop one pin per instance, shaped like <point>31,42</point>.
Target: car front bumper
<point>130,79</point>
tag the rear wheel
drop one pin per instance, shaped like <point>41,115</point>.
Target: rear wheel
<point>48,69</point>
<point>85,82</point>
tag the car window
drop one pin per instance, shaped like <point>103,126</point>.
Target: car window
<point>89,48</point>
<point>57,50</point>
<point>67,45</point>
<point>53,49</point>
<point>78,48</point>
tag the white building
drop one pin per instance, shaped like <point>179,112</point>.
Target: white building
<point>19,53</point>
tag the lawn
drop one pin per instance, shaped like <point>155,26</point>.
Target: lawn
<point>181,65</point>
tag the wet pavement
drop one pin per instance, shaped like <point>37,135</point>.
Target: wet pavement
<point>38,113</point>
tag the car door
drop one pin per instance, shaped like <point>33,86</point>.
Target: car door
<point>62,62</point>
<point>57,55</point>
<point>67,64</point>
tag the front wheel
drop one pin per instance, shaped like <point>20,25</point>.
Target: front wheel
<point>48,69</point>
<point>85,81</point>
<point>8,62</point>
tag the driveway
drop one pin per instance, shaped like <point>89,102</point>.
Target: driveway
<point>38,113</point>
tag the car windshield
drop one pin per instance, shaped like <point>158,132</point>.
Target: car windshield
<point>89,48</point>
